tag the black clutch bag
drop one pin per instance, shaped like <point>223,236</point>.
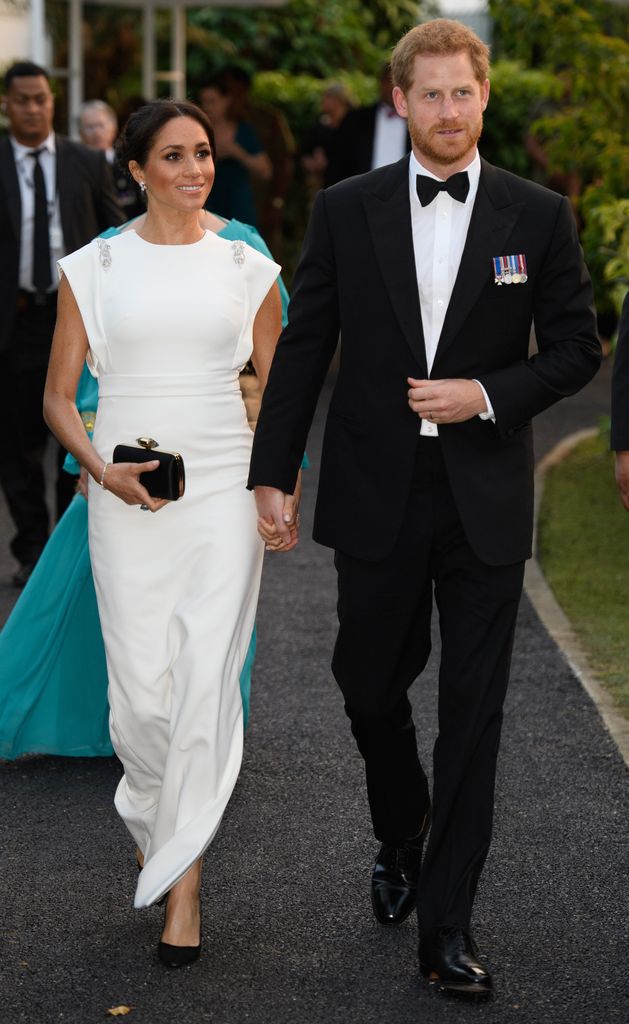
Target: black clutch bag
<point>168,481</point>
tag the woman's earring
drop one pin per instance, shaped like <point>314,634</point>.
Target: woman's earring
<point>142,186</point>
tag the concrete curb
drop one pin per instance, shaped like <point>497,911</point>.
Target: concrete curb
<point>554,618</point>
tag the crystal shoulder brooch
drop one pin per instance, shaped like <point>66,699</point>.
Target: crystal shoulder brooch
<point>238,251</point>
<point>104,253</point>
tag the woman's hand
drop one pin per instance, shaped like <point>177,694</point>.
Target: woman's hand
<point>123,480</point>
<point>290,518</point>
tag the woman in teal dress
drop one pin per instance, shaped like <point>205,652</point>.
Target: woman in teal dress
<point>53,675</point>
<point>240,157</point>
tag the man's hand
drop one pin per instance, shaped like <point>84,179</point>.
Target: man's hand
<point>622,477</point>
<point>446,401</point>
<point>278,517</point>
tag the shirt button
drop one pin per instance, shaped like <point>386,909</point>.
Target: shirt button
<point>440,302</point>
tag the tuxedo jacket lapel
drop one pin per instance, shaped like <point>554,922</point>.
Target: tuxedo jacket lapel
<point>11,186</point>
<point>493,219</point>
<point>388,213</point>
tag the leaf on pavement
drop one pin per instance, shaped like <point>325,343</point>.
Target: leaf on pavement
<point>119,1011</point>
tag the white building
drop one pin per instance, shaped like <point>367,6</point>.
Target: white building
<point>471,12</point>
<point>16,37</point>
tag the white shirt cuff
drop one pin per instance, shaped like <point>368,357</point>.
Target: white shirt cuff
<point>489,414</point>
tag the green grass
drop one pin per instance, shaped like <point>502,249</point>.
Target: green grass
<point>584,552</point>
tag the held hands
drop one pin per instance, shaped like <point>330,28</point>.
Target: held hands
<point>122,479</point>
<point>622,477</point>
<point>278,517</point>
<point>446,401</point>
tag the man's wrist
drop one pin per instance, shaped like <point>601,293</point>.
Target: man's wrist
<point>487,412</point>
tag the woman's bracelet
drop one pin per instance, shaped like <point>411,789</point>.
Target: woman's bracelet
<point>102,474</point>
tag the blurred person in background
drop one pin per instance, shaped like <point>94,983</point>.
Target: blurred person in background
<point>98,127</point>
<point>319,152</point>
<point>620,405</point>
<point>277,141</point>
<point>55,195</point>
<point>239,156</point>
<point>371,137</point>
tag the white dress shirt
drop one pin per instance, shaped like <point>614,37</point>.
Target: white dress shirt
<point>25,166</point>
<point>439,234</point>
<point>390,135</point>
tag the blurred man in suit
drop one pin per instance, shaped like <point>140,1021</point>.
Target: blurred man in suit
<point>319,148</point>
<point>370,137</point>
<point>55,195</point>
<point>620,405</point>
<point>98,126</point>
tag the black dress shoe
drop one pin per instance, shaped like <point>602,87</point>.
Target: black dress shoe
<point>448,960</point>
<point>394,878</point>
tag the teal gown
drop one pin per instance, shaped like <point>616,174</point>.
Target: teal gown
<point>53,675</point>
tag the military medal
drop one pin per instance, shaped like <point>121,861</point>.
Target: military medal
<point>510,269</point>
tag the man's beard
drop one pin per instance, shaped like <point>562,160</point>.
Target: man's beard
<point>430,144</point>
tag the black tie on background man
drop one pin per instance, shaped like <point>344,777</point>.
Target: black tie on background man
<point>427,464</point>
<point>55,196</point>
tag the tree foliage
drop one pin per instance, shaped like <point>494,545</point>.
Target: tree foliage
<point>586,131</point>
<point>311,37</point>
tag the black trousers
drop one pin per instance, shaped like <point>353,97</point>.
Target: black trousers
<point>23,432</point>
<point>383,644</point>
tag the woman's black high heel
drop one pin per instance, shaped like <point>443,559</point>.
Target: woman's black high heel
<point>178,956</point>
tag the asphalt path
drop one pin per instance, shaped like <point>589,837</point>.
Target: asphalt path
<point>288,935</point>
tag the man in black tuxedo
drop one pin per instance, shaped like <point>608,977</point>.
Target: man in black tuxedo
<point>369,137</point>
<point>55,196</point>
<point>427,465</point>
<point>620,405</point>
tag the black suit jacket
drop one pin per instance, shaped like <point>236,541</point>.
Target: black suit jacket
<point>620,384</point>
<point>87,205</point>
<point>357,273</point>
<point>353,146</point>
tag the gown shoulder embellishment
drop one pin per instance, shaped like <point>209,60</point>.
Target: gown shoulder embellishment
<point>238,250</point>
<point>104,253</point>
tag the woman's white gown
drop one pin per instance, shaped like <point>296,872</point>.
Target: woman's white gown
<point>169,327</point>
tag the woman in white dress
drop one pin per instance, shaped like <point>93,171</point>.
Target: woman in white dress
<point>166,317</point>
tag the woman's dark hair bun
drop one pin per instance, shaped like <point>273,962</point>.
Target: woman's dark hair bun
<point>138,134</point>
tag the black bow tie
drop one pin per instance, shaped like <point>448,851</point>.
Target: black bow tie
<point>457,185</point>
